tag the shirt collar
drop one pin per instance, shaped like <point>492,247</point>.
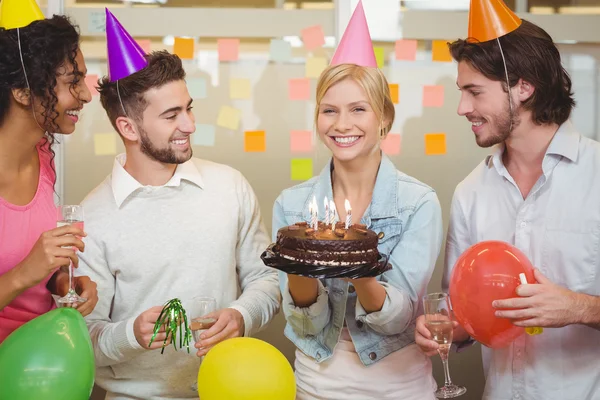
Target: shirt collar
<point>123,184</point>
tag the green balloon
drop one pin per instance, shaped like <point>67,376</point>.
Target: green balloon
<point>50,358</point>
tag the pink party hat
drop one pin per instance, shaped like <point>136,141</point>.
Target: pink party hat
<point>356,46</point>
<point>125,56</point>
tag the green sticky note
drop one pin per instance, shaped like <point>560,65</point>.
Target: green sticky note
<point>301,169</point>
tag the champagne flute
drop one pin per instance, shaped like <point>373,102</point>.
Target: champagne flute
<point>438,319</point>
<point>198,309</point>
<point>70,215</point>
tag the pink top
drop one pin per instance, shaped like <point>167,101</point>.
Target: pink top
<point>20,228</point>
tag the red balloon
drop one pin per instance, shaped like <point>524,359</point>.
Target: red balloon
<point>486,272</point>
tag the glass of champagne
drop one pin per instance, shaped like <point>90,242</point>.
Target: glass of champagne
<point>438,318</point>
<point>198,309</point>
<point>70,215</point>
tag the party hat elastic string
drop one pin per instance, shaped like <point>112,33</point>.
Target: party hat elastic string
<point>510,103</point>
<point>27,80</point>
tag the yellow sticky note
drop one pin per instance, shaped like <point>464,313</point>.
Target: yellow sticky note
<point>105,144</point>
<point>440,51</point>
<point>254,141</point>
<point>379,56</point>
<point>301,169</point>
<point>184,48</point>
<point>240,88</point>
<point>229,118</point>
<point>314,66</point>
<point>395,92</point>
<point>435,144</point>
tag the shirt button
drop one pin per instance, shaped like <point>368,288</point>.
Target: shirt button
<point>372,356</point>
<point>381,235</point>
<point>517,396</point>
<point>359,324</point>
<point>523,224</point>
<point>351,289</point>
<point>318,355</point>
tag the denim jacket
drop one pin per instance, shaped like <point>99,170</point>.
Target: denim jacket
<point>407,216</point>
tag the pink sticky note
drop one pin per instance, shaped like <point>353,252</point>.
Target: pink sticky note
<point>391,144</point>
<point>433,96</point>
<point>228,49</point>
<point>301,141</point>
<point>299,89</point>
<point>406,50</point>
<point>313,37</point>
<point>92,81</point>
<point>145,44</point>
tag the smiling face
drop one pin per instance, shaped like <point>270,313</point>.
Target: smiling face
<point>485,104</point>
<point>167,123</point>
<point>347,122</point>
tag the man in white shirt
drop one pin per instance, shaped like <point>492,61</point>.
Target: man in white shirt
<point>165,225</point>
<point>538,191</point>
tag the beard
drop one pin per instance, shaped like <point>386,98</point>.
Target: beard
<point>504,123</point>
<point>165,155</point>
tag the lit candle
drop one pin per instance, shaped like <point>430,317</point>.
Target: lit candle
<point>332,211</point>
<point>348,214</point>
<point>315,214</point>
<point>326,210</point>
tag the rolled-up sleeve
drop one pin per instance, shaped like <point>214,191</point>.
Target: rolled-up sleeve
<point>304,320</point>
<point>413,261</point>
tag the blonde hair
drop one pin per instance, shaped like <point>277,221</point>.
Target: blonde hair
<point>371,80</point>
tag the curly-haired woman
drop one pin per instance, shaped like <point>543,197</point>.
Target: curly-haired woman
<point>42,90</point>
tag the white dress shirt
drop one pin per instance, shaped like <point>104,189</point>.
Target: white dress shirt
<point>558,227</point>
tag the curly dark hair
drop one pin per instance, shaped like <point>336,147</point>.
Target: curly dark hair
<point>531,55</point>
<point>46,46</point>
<point>163,67</point>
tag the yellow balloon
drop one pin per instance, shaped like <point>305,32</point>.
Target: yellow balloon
<point>246,369</point>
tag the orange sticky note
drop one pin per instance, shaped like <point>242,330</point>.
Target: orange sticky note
<point>313,37</point>
<point>145,44</point>
<point>440,51</point>
<point>228,49</point>
<point>299,89</point>
<point>395,93</point>
<point>435,144</point>
<point>254,141</point>
<point>301,141</point>
<point>379,56</point>
<point>406,50</point>
<point>301,169</point>
<point>433,96</point>
<point>391,144</point>
<point>184,48</point>
<point>92,81</point>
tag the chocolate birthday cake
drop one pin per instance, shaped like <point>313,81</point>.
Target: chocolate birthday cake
<point>326,246</point>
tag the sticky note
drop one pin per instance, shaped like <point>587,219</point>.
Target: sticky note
<point>254,141</point>
<point>395,93</point>
<point>433,96</point>
<point>228,49</point>
<point>184,48</point>
<point>313,37</point>
<point>301,169</point>
<point>229,118</point>
<point>391,144</point>
<point>280,50</point>
<point>145,44</point>
<point>96,22</point>
<point>240,88</point>
<point>440,51</point>
<point>105,144</point>
<point>435,144</point>
<point>91,81</point>
<point>197,88</point>
<point>299,89</point>
<point>406,50</point>
<point>379,56</point>
<point>314,66</point>
<point>301,141</point>
<point>204,135</point>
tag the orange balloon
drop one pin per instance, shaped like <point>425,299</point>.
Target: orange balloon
<point>490,19</point>
<point>486,272</point>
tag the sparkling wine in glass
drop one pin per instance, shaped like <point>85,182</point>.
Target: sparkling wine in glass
<point>70,215</point>
<point>197,310</point>
<point>438,319</point>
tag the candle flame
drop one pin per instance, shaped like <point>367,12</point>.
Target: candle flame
<point>347,205</point>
